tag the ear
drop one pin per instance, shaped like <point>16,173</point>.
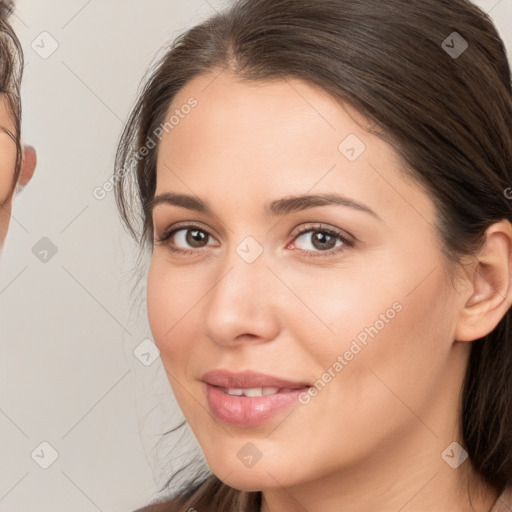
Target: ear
<point>28,165</point>
<point>489,285</point>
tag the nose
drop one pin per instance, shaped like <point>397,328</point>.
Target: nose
<point>243,304</point>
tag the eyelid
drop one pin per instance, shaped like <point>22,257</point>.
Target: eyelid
<point>347,239</point>
<point>319,226</point>
<point>182,225</point>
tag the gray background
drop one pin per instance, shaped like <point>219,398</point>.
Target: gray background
<point>68,319</point>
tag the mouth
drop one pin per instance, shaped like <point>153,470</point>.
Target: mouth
<point>250,407</point>
<point>247,399</point>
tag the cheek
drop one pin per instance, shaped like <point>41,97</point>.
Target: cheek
<point>7,165</point>
<point>165,301</point>
<point>369,396</point>
<point>331,307</point>
<point>388,321</point>
<point>401,361</point>
<point>173,303</point>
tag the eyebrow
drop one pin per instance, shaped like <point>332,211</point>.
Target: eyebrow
<point>274,208</point>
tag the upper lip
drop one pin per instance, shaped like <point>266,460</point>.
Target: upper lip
<point>248,379</point>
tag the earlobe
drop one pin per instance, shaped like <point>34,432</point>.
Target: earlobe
<point>28,165</point>
<point>490,285</point>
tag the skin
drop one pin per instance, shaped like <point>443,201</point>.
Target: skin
<point>372,438</point>
<point>8,167</point>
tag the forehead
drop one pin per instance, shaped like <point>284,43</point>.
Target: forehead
<point>272,138</point>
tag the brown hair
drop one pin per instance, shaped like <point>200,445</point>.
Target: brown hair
<point>11,71</point>
<point>446,110</point>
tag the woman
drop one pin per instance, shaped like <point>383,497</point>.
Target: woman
<point>324,188</point>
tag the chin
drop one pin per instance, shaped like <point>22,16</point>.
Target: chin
<point>263,475</point>
<point>248,480</point>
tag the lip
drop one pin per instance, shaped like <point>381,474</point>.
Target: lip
<point>245,411</point>
<point>248,379</point>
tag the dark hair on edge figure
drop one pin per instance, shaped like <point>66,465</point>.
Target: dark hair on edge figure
<point>450,119</point>
<point>11,70</point>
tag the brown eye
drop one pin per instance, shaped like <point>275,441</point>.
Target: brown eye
<point>195,237</point>
<point>322,241</point>
<point>185,239</point>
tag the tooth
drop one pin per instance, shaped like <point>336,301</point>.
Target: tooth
<point>234,391</point>
<point>253,392</point>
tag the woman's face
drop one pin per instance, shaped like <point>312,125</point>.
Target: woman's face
<point>372,317</point>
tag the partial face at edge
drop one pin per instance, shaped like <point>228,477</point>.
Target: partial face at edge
<point>304,300</point>
<point>8,155</point>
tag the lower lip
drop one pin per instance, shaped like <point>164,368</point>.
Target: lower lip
<point>244,411</point>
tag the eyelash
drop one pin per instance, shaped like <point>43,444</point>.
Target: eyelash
<point>347,243</point>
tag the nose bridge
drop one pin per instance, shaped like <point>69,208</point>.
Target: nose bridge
<point>241,301</point>
<point>244,265</point>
